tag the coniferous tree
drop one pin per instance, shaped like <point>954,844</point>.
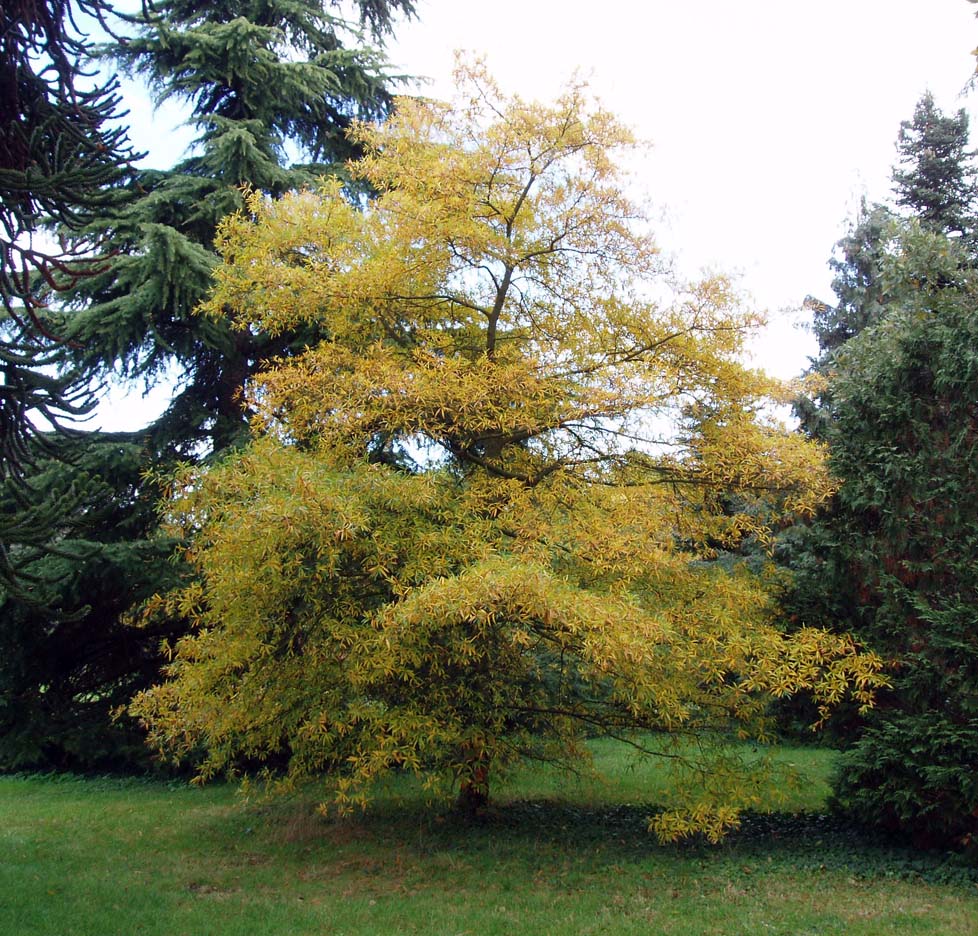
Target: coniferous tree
<point>859,303</point>
<point>271,87</point>
<point>934,183</point>
<point>905,532</point>
<point>68,656</point>
<point>856,283</point>
<point>934,179</point>
<point>62,159</point>
<point>892,558</point>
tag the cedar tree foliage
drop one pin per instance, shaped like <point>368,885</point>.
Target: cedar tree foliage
<point>271,88</point>
<point>525,567</point>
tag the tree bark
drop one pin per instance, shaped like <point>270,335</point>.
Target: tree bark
<point>473,791</point>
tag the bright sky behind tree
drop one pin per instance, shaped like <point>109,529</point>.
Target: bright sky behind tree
<point>768,120</point>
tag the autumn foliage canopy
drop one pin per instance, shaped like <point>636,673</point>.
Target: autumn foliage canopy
<point>480,521</point>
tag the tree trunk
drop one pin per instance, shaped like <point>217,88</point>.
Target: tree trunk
<point>473,790</point>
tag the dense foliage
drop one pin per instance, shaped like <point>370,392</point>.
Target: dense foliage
<point>904,442</point>
<point>271,87</point>
<point>70,657</point>
<point>933,183</point>
<point>472,526</point>
<point>62,161</point>
<point>934,179</point>
<point>893,559</point>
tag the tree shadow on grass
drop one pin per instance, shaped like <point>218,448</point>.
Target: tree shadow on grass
<point>806,842</point>
<point>801,843</point>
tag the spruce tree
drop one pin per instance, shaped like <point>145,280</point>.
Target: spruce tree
<point>271,88</point>
<point>856,281</point>
<point>934,183</point>
<point>859,293</point>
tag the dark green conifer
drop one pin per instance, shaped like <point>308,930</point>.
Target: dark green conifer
<point>68,656</point>
<point>63,158</point>
<point>934,179</point>
<point>892,561</point>
<point>934,182</point>
<point>271,86</point>
<point>902,441</point>
<point>271,89</point>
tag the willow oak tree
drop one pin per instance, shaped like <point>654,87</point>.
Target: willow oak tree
<point>270,87</point>
<point>524,567</point>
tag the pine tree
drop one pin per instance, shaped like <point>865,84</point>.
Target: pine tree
<point>60,153</point>
<point>271,87</point>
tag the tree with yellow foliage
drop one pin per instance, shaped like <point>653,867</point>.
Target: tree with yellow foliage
<point>475,524</point>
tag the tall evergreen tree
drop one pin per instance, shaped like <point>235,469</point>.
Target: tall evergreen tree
<point>271,86</point>
<point>68,658</point>
<point>271,89</point>
<point>934,179</point>
<point>905,532</point>
<point>62,159</point>
<point>934,182</point>
<point>892,559</point>
<point>856,281</point>
<point>858,289</point>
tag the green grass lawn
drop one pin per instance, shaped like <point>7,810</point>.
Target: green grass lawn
<point>555,856</point>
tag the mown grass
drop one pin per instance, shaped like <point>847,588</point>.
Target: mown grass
<point>106,856</point>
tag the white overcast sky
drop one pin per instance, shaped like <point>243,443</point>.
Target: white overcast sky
<point>768,119</point>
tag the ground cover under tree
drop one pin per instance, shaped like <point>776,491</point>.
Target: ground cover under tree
<point>108,856</point>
